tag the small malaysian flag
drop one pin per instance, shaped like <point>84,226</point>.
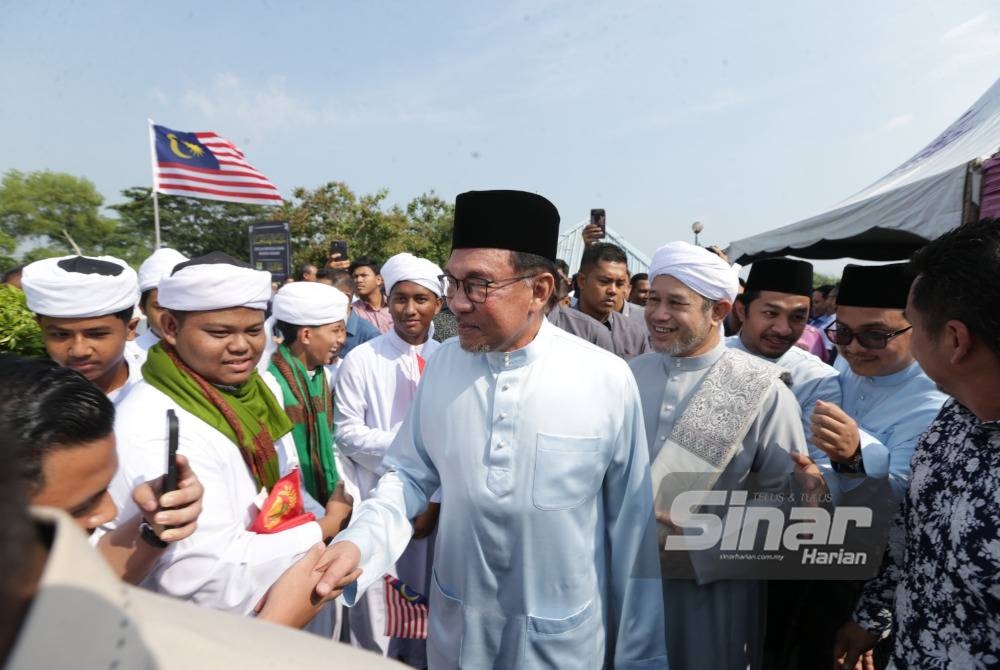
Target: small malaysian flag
<point>205,165</point>
<point>405,611</point>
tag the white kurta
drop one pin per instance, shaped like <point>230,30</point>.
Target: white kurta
<point>375,387</point>
<point>134,362</point>
<point>717,624</point>
<point>546,549</point>
<point>222,565</point>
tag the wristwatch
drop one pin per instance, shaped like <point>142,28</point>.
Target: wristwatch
<point>855,466</point>
<point>149,535</point>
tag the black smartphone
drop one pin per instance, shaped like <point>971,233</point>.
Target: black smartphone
<point>597,217</point>
<point>170,480</point>
<point>339,247</point>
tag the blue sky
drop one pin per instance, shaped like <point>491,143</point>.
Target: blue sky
<point>745,116</point>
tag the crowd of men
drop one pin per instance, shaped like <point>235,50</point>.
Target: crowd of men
<point>502,444</point>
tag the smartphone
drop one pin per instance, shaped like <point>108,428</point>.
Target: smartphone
<point>170,481</point>
<point>597,217</point>
<point>339,247</point>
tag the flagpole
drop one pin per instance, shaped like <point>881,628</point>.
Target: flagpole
<point>156,200</point>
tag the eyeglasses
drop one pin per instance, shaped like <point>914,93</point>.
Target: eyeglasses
<point>869,339</point>
<point>476,289</point>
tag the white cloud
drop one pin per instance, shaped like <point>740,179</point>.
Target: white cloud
<point>972,44</point>
<point>897,121</point>
<point>966,28</point>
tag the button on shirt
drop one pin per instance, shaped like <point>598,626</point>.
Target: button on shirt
<point>546,552</point>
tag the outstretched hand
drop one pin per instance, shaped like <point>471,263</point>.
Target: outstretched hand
<point>339,565</point>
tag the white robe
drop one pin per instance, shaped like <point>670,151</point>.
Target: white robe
<point>375,387</point>
<point>717,624</point>
<point>546,549</point>
<point>134,359</point>
<point>222,565</point>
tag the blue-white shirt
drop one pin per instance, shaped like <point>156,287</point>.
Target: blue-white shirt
<point>891,412</point>
<point>546,552</point>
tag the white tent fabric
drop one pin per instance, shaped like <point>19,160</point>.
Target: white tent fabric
<point>570,248</point>
<point>915,203</point>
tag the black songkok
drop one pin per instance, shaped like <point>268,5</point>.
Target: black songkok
<point>784,275</point>
<point>515,220</point>
<point>883,286</point>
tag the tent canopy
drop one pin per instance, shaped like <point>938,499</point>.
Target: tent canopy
<point>915,203</point>
<point>570,248</point>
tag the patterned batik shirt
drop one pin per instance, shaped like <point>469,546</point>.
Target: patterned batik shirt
<point>939,586</point>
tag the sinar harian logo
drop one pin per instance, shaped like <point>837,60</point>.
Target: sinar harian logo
<point>741,527</point>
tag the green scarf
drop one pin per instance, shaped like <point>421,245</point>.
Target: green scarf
<point>248,415</point>
<point>309,405</point>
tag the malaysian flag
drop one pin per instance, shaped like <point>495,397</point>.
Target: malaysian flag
<point>205,165</point>
<point>405,611</point>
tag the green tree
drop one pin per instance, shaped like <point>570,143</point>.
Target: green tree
<point>333,212</point>
<point>43,207</point>
<point>429,223</point>
<point>821,280</point>
<point>193,226</point>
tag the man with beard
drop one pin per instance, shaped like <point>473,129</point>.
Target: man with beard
<point>546,551</point>
<point>717,416</point>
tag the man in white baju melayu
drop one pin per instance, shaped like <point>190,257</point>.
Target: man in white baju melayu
<point>716,416</point>
<point>545,555</point>
<point>375,388</point>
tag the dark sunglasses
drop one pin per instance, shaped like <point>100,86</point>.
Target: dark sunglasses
<point>869,339</point>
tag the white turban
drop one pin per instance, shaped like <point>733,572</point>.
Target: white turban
<point>407,267</point>
<point>79,286</point>
<point>697,268</point>
<point>214,281</point>
<point>308,303</point>
<point>159,265</point>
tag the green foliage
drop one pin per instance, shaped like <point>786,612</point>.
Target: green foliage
<point>19,332</point>
<point>41,205</point>
<point>193,226</point>
<point>333,212</point>
<point>821,279</point>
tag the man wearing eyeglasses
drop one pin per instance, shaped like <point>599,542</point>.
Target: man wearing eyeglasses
<point>546,552</point>
<point>888,401</point>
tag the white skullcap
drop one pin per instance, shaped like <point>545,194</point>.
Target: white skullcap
<point>73,287</point>
<point>407,267</point>
<point>309,303</point>
<point>159,265</point>
<point>215,281</point>
<point>697,268</point>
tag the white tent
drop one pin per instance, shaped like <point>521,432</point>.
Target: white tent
<point>915,203</point>
<point>570,248</point>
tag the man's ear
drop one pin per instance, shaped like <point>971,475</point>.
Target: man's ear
<point>721,309</point>
<point>440,304</point>
<point>959,340</point>
<point>170,325</point>
<point>542,288</point>
<point>305,335</point>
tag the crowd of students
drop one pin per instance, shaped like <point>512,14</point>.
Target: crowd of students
<point>504,440</point>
